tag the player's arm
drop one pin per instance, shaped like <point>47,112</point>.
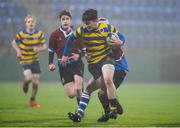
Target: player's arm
<point>122,38</point>
<point>71,38</point>
<point>15,45</point>
<point>67,46</point>
<point>42,46</point>
<point>82,48</point>
<point>51,49</point>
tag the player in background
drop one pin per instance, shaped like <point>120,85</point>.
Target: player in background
<point>71,72</point>
<point>100,62</point>
<point>27,44</point>
<point>120,72</point>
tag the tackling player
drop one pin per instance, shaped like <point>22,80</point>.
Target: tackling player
<point>101,57</point>
<point>27,44</point>
<point>71,72</point>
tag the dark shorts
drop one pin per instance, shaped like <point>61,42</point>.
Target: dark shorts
<point>34,67</point>
<point>119,77</point>
<point>67,73</point>
<point>95,69</point>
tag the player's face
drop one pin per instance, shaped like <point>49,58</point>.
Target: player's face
<point>30,24</point>
<point>90,25</point>
<point>65,22</point>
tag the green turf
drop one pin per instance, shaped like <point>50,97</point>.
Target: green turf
<point>144,105</point>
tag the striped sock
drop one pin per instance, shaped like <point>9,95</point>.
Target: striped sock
<point>84,100</point>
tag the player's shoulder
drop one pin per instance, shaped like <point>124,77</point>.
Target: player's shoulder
<point>38,31</point>
<point>21,32</point>
<point>56,32</point>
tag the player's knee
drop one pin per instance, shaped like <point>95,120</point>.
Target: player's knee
<point>35,82</point>
<point>28,78</point>
<point>71,95</point>
<point>108,81</point>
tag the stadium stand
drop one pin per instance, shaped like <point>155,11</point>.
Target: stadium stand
<point>146,23</point>
<point>12,13</point>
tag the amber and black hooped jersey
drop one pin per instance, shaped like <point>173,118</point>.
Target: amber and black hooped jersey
<point>26,42</point>
<point>94,41</point>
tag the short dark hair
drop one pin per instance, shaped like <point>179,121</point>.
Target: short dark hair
<point>64,12</point>
<point>90,14</point>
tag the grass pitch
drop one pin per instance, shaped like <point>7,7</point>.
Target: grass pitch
<point>144,105</point>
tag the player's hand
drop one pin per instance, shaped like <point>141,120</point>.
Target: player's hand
<point>19,55</point>
<point>52,67</point>
<point>115,41</point>
<point>64,59</point>
<point>75,56</point>
<point>36,49</point>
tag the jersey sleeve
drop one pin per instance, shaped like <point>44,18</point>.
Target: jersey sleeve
<point>121,37</point>
<point>78,32</point>
<point>18,38</point>
<point>52,44</point>
<point>69,42</point>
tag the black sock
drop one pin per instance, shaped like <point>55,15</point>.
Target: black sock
<point>104,101</point>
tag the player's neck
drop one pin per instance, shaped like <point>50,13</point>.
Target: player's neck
<point>30,31</point>
<point>67,31</point>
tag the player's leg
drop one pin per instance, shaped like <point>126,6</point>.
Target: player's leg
<point>118,79</point>
<point>85,97</point>
<point>35,68</point>
<point>27,78</point>
<point>35,84</point>
<point>108,73</point>
<point>84,100</point>
<point>67,80</point>
<point>78,70</point>
<point>78,82</point>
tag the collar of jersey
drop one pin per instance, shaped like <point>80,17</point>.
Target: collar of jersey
<point>64,32</point>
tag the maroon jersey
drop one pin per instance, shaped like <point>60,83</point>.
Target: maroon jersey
<point>57,43</point>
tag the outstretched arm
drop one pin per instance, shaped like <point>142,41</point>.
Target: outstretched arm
<point>66,49</point>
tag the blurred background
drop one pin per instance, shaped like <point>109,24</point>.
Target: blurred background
<point>151,28</point>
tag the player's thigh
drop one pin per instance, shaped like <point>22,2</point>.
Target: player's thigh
<point>35,68</point>
<point>108,72</point>
<point>27,72</point>
<point>78,69</point>
<point>78,80</point>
